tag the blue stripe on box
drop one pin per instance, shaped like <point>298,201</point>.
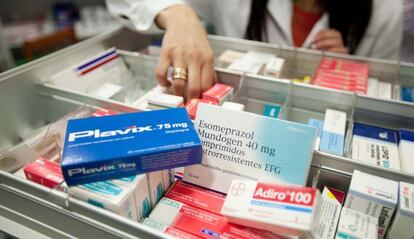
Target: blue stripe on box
<point>280,206</point>
<point>332,143</point>
<point>95,60</point>
<point>407,135</point>
<point>374,132</point>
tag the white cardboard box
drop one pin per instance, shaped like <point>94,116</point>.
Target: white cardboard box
<point>403,225</point>
<point>406,149</point>
<point>108,195</point>
<point>278,208</point>
<point>375,145</point>
<point>139,184</point>
<point>356,225</point>
<point>156,186</point>
<point>333,133</point>
<point>374,196</point>
<point>330,211</point>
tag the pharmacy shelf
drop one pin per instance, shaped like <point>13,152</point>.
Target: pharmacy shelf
<point>28,101</point>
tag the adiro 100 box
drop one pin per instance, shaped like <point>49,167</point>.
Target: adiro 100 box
<point>127,144</point>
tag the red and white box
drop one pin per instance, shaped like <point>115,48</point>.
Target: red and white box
<point>192,105</point>
<point>211,201</point>
<point>282,209</point>
<point>44,172</point>
<point>196,196</point>
<point>189,219</point>
<point>202,223</point>
<point>218,93</point>
<point>171,231</point>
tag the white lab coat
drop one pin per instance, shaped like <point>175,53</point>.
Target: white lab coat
<point>230,18</point>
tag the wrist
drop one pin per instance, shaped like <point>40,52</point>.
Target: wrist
<point>176,15</point>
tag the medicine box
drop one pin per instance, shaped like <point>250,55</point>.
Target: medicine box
<point>406,149</point>
<point>170,231</point>
<point>110,147</point>
<point>333,133</point>
<point>109,195</point>
<point>277,208</point>
<point>329,215</point>
<point>196,196</point>
<point>255,148</point>
<point>375,145</point>
<point>189,219</point>
<point>318,124</point>
<point>218,93</point>
<point>356,225</point>
<point>402,226</point>
<point>155,186</point>
<point>139,186</point>
<point>375,196</point>
<point>44,172</point>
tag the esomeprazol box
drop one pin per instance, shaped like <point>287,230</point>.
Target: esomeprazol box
<point>374,196</point>
<point>110,147</point>
<point>403,224</point>
<point>285,209</point>
<point>375,145</point>
<point>257,147</point>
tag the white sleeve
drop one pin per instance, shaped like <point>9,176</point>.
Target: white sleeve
<point>139,15</point>
<point>388,44</point>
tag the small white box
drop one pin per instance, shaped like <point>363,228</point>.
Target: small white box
<point>274,67</point>
<point>108,195</point>
<point>333,134</point>
<point>356,225</point>
<point>233,106</point>
<point>384,90</point>
<point>252,62</point>
<point>372,87</point>
<point>406,149</point>
<point>403,225</point>
<point>228,57</point>
<point>374,196</point>
<point>139,184</point>
<point>165,100</point>
<point>156,186</point>
<point>278,208</point>
<point>107,90</point>
<point>328,216</point>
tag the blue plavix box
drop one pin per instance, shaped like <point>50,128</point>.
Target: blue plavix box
<point>123,145</point>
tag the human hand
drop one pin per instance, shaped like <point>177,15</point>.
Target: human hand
<point>185,45</point>
<point>329,40</point>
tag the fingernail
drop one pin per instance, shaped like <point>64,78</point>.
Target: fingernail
<point>313,46</point>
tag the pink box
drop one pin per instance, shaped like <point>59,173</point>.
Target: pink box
<point>192,105</point>
<point>218,93</point>
<point>44,172</point>
<point>196,196</point>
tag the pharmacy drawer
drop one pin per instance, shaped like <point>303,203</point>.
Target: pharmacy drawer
<point>27,103</point>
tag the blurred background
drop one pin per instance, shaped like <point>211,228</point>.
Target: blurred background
<point>31,29</point>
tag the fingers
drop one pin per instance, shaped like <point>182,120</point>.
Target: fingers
<point>194,80</point>
<point>178,85</point>
<point>162,69</point>
<point>329,40</point>
<point>327,43</point>
<point>329,33</point>
<point>208,74</point>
